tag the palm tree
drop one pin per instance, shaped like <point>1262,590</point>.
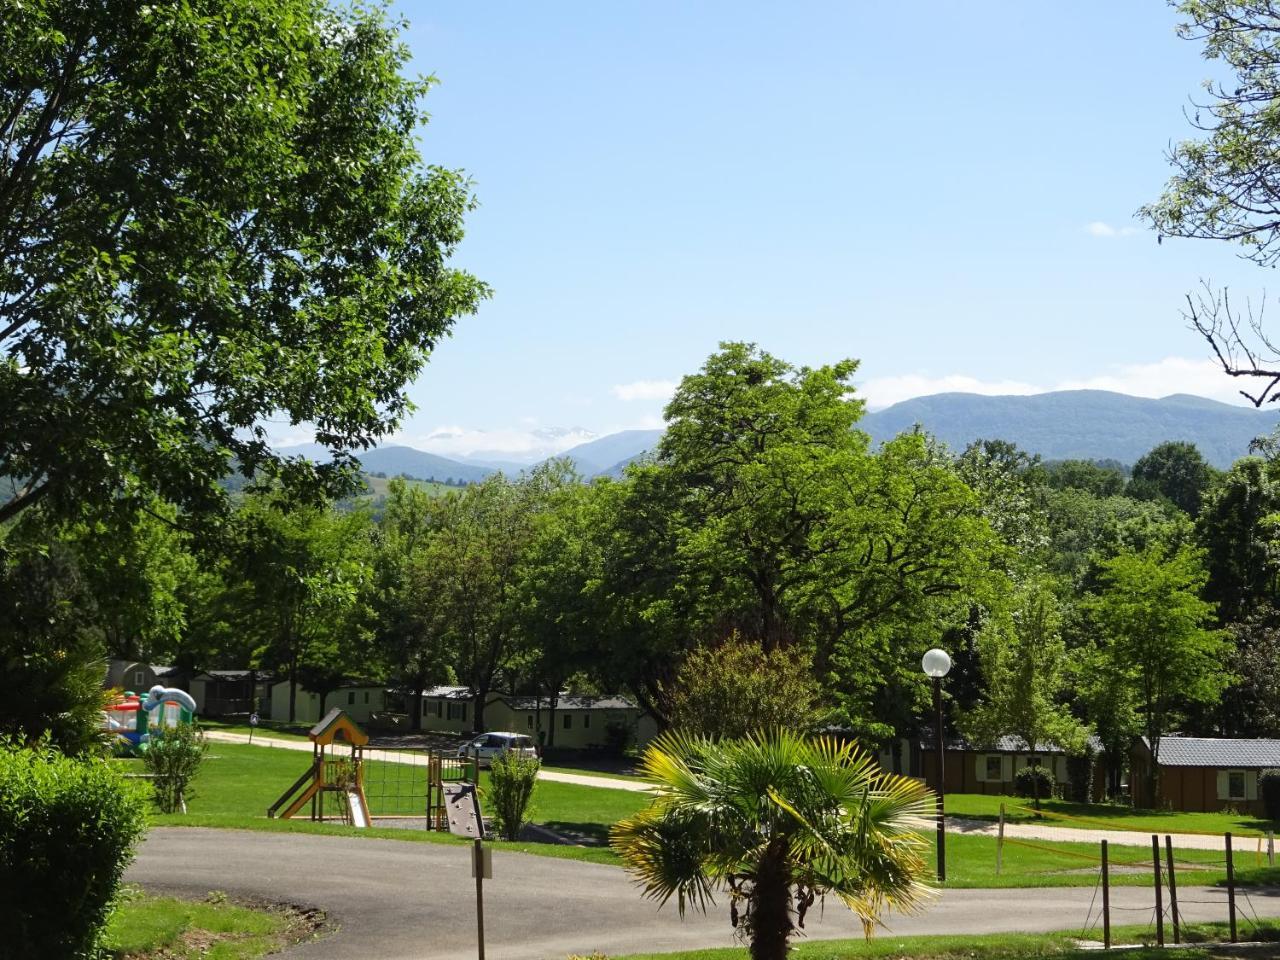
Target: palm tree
<point>779,819</point>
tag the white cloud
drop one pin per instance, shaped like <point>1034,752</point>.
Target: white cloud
<point>1201,377</point>
<point>510,443</point>
<point>1100,228</point>
<point>645,390</point>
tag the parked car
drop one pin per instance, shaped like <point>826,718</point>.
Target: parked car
<point>489,745</point>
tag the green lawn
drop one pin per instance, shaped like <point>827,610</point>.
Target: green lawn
<point>1008,946</point>
<point>239,782</point>
<point>214,929</point>
<point>1104,816</point>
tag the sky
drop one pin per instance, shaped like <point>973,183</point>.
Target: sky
<point>943,191</point>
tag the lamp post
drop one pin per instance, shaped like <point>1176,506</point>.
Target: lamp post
<point>936,665</point>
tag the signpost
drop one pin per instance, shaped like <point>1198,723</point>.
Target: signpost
<point>462,805</point>
<point>253,725</point>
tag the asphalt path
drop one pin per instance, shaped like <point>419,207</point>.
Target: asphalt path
<point>416,901</point>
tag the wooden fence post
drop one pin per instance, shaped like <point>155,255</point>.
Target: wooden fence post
<point>1173,887</point>
<point>1000,842</point>
<point>1106,900</point>
<point>1155,863</point>
<point>1231,889</point>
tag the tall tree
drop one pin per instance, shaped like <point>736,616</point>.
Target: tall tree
<point>1225,183</point>
<point>211,213</point>
<point>1024,664</point>
<point>306,569</point>
<point>1251,706</point>
<point>408,605</point>
<point>1174,470</point>
<point>1156,636</point>
<point>1237,530</point>
<point>484,531</point>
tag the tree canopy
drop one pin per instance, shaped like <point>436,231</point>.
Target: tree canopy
<point>211,213</point>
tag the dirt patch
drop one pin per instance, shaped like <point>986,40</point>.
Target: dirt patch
<point>301,923</point>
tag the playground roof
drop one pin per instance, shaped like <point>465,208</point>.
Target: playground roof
<point>336,722</point>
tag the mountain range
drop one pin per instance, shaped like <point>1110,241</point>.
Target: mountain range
<point>1066,424</point>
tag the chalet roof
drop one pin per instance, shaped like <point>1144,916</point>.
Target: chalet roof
<point>1005,744</point>
<point>571,703</point>
<point>1217,752</point>
<point>449,693</point>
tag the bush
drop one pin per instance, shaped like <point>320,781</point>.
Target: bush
<point>1024,782</point>
<point>68,828</point>
<point>1079,786</point>
<point>512,781</point>
<point>173,756</point>
<point>617,738</point>
<point>736,689</point>
<point>1269,791</point>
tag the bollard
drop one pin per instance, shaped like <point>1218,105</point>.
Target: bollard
<point>1173,888</point>
<point>1155,863</point>
<point>1106,900</point>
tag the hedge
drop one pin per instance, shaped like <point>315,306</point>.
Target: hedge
<point>68,828</point>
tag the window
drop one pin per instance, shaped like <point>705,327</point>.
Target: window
<point>351,698</point>
<point>995,768</point>
<point>139,678</point>
<point>568,721</point>
<point>1033,761</point>
<point>529,720</point>
<point>366,696</point>
<point>440,708</point>
<point>1235,785</point>
<point>586,720</point>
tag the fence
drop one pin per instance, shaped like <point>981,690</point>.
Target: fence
<point>1163,865</point>
<point>405,782</point>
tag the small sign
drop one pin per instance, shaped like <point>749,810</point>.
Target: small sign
<point>253,719</point>
<point>482,862</point>
<point>462,807</point>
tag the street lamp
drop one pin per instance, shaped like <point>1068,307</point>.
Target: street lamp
<point>936,665</point>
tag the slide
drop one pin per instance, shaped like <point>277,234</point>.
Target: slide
<point>356,807</point>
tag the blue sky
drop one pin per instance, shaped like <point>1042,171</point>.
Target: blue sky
<point>944,191</point>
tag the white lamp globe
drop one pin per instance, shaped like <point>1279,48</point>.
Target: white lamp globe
<point>936,663</point>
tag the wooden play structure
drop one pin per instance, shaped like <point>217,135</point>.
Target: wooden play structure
<point>330,774</point>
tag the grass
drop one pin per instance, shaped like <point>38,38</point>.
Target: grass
<point>238,782</point>
<point>215,929</point>
<point>1005,946</point>
<point>1104,816</point>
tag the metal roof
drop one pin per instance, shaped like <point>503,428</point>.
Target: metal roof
<point>1217,752</point>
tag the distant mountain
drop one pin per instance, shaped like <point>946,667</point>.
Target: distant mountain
<point>1084,424</point>
<point>394,461</point>
<point>604,454</point>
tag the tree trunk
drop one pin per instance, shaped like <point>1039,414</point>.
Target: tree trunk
<point>771,905</point>
<point>1035,787</point>
<point>895,752</point>
<point>552,701</point>
<point>293,688</point>
<point>482,694</point>
<point>416,705</point>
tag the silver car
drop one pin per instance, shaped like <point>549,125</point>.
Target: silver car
<point>489,745</point>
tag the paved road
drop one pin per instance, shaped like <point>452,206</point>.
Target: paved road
<point>416,901</point>
<point>419,759</point>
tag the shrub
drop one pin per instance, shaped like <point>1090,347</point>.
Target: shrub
<point>1024,783</point>
<point>736,689</point>
<point>173,756</point>
<point>67,831</point>
<point>512,781</point>
<point>617,738</point>
<point>1269,791</point>
<point>1079,786</point>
